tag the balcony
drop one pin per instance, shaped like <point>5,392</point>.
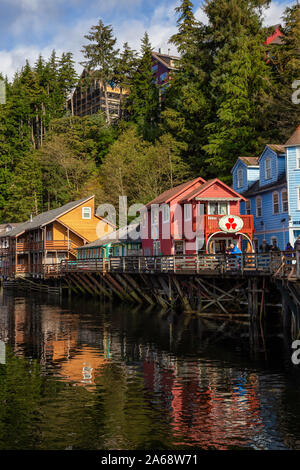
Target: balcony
<point>211,224</point>
<point>48,245</point>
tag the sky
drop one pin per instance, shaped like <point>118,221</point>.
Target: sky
<point>32,27</point>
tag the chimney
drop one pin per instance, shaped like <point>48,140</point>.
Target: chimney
<point>159,50</point>
<point>31,218</point>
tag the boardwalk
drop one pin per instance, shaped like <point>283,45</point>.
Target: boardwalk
<point>281,265</point>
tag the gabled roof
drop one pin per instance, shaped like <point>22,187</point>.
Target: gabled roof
<point>279,149</point>
<point>256,189</point>
<point>47,217</point>
<point>170,194</point>
<point>276,148</point>
<point>198,191</point>
<point>294,139</point>
<point>248,161</point>
<point>165,59</point>
<point>118,236</point>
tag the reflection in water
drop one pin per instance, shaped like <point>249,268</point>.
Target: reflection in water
<point>85,377</point>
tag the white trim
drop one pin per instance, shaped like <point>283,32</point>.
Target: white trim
<point>298,198</point>
<point>188,216</point>
<point>256,206</point>
<point>240,178</point>
<point>90,212</point>
<point>167,219</point>
<point>278,203</point>
<point>297,158</point>
<point>287,200</point>
<point>268,159</point>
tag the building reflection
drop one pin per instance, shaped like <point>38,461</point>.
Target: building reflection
<point>204,404</point>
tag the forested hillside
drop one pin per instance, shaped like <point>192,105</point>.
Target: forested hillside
<point>225,100</point>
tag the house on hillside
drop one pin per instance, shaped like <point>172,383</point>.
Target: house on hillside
<point>162,67</point>
<point>196,216</point>
<point>271,185</point>
<point>51,237</point>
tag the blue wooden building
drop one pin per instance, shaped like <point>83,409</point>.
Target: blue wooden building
<point>271,185</point>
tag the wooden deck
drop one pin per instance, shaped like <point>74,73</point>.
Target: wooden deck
<point>281,265</point>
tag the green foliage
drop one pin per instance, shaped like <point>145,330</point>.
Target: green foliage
<point>143,101</point>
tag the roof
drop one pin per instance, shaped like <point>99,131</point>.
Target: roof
<point>294,139</point>
<point>279,149</point>
<point>256,189</point>
<point>123,235</point>
<point>249,161</point>
<point>9,224</point>
<point>197,191</point>
<point>165,59</point>
<point>47,217</point>
<point>170,194</point>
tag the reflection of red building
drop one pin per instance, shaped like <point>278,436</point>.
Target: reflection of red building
<point>186,219</point>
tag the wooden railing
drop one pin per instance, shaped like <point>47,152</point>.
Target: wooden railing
<point>50,245</point>
<point>212,223</point>
<point>279,264</point>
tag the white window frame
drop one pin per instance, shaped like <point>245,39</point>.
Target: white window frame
<point>297,159</point>
<point>268,168</point>
<point>84,215</point>
<point>218,210</point>
<point>298,198</point>
<point>188,211</point>
<point>258,207</point>
<point>274,238</point>
<point>276,193</point>
<point>240,178</point>
<point>166,213</point>
<point>154,215</point>
<point>284,191</point>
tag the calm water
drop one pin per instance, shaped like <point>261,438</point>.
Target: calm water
<point>81,376</point>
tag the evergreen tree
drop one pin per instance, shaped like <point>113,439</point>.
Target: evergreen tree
<point>125,68</point>
<point>100,55</point>
<point>143,102</point>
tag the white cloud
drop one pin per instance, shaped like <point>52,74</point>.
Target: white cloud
<point>273,14</point>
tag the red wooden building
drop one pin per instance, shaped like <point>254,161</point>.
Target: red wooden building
<point>196,216</point>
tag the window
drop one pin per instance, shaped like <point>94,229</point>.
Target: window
<point>218,208</point>
<point>258,207</point>
<point>154,215</point>
<point>187,211</point>
<point>164,76</point>
<point>268,170</point>
<point>240,178</point>
<point>86,212</point>
<point>248,207</point>
<point>284,199</point>
<point>298,159</point>
<point>275,203</point>
<point>166,213</point>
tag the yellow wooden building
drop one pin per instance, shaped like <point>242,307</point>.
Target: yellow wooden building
<point>51,237</point>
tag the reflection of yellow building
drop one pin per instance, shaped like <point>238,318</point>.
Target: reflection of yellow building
<point>82,367</point>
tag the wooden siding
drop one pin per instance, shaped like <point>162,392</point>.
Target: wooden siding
<point>268,153</point>
<point>90,229</point>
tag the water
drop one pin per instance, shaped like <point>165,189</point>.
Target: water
<point>81,376</point>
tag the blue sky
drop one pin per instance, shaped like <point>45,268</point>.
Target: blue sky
<point>31,27</point>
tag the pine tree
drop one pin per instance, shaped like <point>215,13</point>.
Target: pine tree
<point>285,60</point>
<point>143,102</point>
<point>125,68</point>
<point>100,55</point>
<point>239,82</point>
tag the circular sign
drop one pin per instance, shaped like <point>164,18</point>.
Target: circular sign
<point>231,223</point>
